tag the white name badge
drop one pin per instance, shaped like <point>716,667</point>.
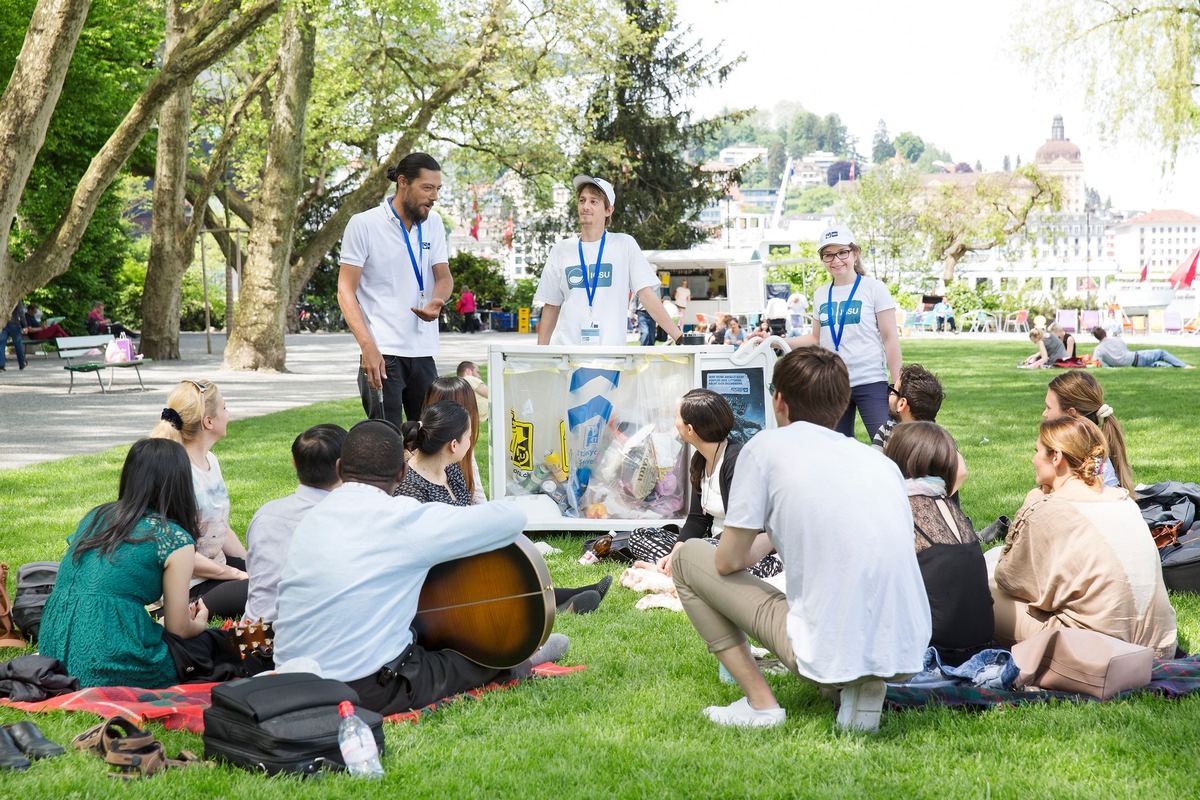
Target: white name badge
<point>590,336</point>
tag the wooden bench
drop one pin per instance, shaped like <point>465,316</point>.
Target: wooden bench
<point>86,354</point>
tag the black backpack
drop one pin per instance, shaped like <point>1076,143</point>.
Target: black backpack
<point>281,722</point>
<point>35,581</point>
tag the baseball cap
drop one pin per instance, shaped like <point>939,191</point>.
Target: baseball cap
<point>835,234</point>
<point>601,184</point>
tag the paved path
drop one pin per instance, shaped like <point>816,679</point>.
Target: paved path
<point>39,421</point>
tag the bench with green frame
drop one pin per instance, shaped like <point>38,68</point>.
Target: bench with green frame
<point>86,354</point>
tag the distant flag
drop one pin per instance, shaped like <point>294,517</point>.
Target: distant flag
<point>508,232</point>
<point>1145,271</point>
<point>478,219</point>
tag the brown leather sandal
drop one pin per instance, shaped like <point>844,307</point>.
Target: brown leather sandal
<point>144,761</point>
<point>115,732</point>
<point>149,760</point>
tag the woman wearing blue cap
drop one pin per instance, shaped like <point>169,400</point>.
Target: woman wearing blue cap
<point>856,318</point>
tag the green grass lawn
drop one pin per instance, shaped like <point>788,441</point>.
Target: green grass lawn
<point>629,725</point>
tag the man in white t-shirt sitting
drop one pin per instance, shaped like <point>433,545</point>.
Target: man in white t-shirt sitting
<point>587,279</point>
<point>854,612</point>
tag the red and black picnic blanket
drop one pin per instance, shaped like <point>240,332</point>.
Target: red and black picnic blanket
<point>1170,677</point>
<point>183,706</point>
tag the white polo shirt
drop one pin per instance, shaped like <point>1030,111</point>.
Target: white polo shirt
<point>388,289</point>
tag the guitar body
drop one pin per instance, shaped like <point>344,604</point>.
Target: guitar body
<point>495,608</point>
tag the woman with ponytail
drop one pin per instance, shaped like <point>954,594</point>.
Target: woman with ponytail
<point>196,417</point>
<point>1078,394</point>
<point>433,475</point>
<point>1079,554</point>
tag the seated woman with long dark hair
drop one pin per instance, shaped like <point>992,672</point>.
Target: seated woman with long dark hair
<point>704,421</point>
<point>124,555</point>
<point>948,552</point>
<point>1078,554</point>
<point>433,475</point>
<point>459,391</point>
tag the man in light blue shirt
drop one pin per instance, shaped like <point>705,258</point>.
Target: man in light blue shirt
<point>353,576</point>
<point>314,455</point>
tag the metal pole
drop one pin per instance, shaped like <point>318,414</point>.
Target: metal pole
<point>204,280</point>
<point>1087,217</point>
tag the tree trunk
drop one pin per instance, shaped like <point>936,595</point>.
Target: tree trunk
<point>25,111</point>
<point>256,341</point>
<point>220,26</point>
<point>170,249</point>
<point>949,263</point>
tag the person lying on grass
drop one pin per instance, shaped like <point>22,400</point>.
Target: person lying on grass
<point>846,624</point>
<point>1078,554</point>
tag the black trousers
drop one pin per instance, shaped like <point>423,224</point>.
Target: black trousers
<point>425,677</point>
<point>225,599</point>
<point>404,388</point>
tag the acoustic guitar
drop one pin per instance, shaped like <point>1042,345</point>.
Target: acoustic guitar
<point>495,608</point>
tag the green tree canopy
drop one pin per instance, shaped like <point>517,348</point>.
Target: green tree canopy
<point>909,146</point>
<point>881,145</point>
<point>1137,61</point>
<point>642,132</point>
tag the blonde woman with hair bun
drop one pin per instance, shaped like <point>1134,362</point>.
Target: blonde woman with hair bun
<point>196,417</point>
<point>1078,554</point>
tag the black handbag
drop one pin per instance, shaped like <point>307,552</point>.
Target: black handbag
<point>284,722</point>
<point>35,582</point>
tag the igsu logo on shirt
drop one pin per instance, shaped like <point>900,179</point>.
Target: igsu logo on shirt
<point>575,276</point>
<point>853,313</point>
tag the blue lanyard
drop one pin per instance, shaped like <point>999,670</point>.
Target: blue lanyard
<point>595,284</point>
<point>408,243</point>
<point>836,330</point>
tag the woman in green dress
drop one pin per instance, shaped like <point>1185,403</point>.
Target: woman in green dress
<point>124,555</point>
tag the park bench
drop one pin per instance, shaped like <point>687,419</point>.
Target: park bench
<point>33,347</point>
<point>86,354</point>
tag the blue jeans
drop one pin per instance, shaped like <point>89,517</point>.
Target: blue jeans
<point>871,400</point>
<point>646,326</point>
<point>1155,357</point>
<point>14,330</point>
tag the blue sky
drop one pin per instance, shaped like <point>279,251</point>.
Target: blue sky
<point>945,70</point>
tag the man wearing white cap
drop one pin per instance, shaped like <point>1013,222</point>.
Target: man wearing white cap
<point>586,282</point>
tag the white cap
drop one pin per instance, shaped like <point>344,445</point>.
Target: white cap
<point>601,184</point>
<point>836,234</point>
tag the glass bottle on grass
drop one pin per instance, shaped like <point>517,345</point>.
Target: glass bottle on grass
<point>357,744</point>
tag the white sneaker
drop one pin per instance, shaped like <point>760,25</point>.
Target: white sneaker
<point>744,715</point>
<point>862,705</point>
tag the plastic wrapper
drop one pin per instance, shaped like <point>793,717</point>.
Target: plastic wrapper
<point>637,458</point>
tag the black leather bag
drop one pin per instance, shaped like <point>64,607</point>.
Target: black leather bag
<point>1172,504</point>
<point>285,722</point>
<point>35,582</point>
